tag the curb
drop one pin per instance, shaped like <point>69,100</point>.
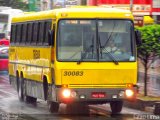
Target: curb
<point>147,106</point>
<point>149,109</point>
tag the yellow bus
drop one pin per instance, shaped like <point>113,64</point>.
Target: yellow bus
<point>64,56</point>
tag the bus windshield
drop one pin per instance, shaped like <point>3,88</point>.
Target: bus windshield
<point>95,40</point>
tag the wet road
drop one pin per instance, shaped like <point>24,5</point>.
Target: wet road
<point>11,107</point>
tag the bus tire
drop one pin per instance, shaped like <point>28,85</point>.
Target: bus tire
<point>29,99</point>
<point>116,106</point>
<point>20,88</point>
<point>53,106</point>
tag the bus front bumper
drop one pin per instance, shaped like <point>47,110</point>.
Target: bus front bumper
<point>95,95</point>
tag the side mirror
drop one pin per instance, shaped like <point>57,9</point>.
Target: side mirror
<point>51,37</point>
<point>138,37</point>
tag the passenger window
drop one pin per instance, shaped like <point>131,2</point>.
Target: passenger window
<point>41,33</point>
<point>13,33</point>
<point>18,36</point>
<point>24,33</point>
<point>47,28</point>
<point>29,34</point>
<point>35,33</point>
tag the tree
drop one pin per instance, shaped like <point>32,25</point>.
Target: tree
<point>149,49</point>
<point>16,4</point>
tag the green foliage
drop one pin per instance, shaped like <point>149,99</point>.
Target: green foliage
<point>16,4</point>
<point>149,49</point>
<point>150,36</point>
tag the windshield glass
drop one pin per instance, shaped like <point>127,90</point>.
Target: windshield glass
<point>95,40</point>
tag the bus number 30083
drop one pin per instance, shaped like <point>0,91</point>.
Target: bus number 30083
<point>73,73</point>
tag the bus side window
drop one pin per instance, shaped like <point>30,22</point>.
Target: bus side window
<point>22,27</point>
<point>38,32</point>
<point>35,33</point>
<point>41,33</point>
<point>18,36</point>
<point>13,33</point>
<point>24,33</point>
<point>47,28</point>
<point>29,33</point>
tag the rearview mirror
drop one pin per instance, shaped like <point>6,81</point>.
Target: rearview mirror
<point>51,37</point>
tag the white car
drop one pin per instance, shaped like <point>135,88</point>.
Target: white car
<point>4,50</point>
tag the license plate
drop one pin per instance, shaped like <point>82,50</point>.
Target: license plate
<point>98,95</point>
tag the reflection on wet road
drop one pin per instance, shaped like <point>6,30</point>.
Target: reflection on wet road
<point>10,106</point>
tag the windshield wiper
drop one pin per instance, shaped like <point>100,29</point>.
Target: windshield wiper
<point>103,48</point>
<point>110,55</point>
<point>87,50</point>
<point>105,44</point>
<point>109,37</point>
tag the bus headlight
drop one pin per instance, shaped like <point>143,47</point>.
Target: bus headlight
<point>129,93</point>
<point>66,93</point>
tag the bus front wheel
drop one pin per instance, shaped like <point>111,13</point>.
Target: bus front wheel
<point>53,106</point>
<point>116,106</point>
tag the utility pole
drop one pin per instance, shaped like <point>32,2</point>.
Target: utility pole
<point>51,4</point>
<point>64,4</point>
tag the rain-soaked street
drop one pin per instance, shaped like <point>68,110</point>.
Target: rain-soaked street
<point>12,109</point>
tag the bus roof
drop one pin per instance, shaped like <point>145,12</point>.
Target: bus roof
<point>76,12</point>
